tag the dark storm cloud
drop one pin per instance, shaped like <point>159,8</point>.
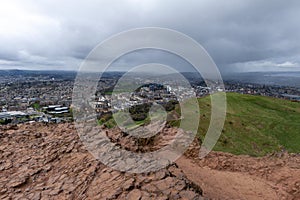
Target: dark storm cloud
<point>241,35</point>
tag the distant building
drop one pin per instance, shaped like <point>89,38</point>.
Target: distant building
<point>56,109</point>
<point>291,97</point>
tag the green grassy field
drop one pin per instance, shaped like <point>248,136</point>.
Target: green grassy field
<point>255,125</point>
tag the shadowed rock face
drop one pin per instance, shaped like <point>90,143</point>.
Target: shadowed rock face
<point>50,162</point>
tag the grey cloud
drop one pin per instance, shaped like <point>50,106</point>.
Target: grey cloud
<point>234,32</point>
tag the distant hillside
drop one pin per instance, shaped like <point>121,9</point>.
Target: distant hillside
<point>16,73</point>
<point>255,125</point>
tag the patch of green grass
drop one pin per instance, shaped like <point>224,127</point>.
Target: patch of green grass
<point>36,106</point>
<point>109,121</point>
<point>255,125</point>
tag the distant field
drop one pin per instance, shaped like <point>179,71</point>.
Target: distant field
<point>255,125</point>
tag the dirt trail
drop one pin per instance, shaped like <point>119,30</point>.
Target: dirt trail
<point>227,185</point>
<point>227,176</point>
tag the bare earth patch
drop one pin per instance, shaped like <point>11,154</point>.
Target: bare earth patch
<point>226,176</point>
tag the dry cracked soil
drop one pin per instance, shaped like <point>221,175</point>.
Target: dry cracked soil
<point>39,161</point>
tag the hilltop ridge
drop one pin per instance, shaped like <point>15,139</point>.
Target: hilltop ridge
<point>41,161</point>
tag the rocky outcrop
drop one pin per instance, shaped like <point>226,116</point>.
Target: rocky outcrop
<point>40,161</point>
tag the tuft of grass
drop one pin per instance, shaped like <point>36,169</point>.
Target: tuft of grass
<point>36,106</point>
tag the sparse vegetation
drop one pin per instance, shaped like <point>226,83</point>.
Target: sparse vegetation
<point>140,115</point>
<point>139,112</point>
<point>36,106</point>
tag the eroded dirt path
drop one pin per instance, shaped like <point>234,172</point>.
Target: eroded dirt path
<point>227,185</point>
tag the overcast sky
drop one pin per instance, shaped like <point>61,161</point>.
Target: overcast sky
<point>239,35</point>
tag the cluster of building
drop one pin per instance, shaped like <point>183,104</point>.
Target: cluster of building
<point>49,99</point>
<point>284,92</point>
<point>148,93</point>
<point>21,95</point>
<point>164,93</point>
<point>51,113</point>
<point>35,100</point>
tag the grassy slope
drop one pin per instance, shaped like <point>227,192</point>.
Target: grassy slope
<point>255,125</point>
